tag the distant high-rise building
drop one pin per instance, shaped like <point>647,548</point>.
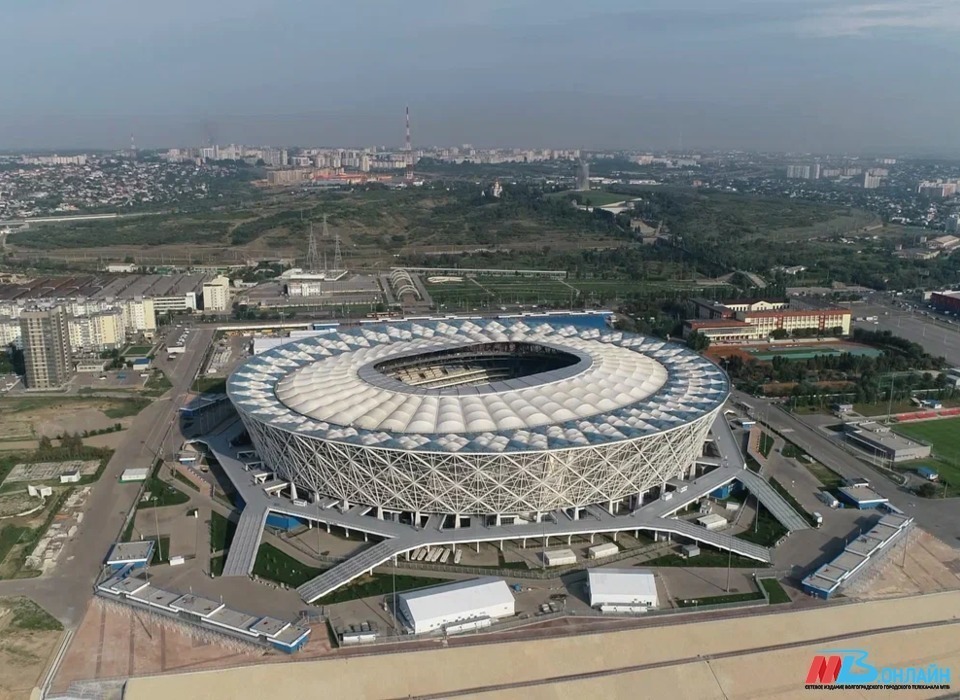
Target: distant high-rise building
<point>583,176</point>
<point>815,171</point>
<point>46,348</point>
<point>216,294</point>
<point>799,172</point>
<point>871,182</point>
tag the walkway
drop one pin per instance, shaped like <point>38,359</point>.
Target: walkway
<point>400,538</point>
<point>771,500</point>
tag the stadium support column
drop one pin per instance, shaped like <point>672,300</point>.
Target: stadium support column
<point>610,507</point>
<point>379,512</point>
<point>293,491</point>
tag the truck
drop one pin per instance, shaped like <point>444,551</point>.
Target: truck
<point>828,498</point>
<point>817,518</point>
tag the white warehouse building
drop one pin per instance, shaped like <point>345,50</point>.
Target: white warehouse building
<point>458,606</point>
<point>622,590</point>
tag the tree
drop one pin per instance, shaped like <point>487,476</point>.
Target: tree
<point>698,341</point>
<point>927,490</point>
<point>779,333</point>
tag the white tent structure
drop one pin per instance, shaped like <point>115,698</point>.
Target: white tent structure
<point>457,606</point>
<point>622,590</point>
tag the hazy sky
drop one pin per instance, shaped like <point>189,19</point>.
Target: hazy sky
<point>812,75</point>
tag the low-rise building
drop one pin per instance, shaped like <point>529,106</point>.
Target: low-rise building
<point>474,602</point>
<point>622,590</point>
<point>877,439</point>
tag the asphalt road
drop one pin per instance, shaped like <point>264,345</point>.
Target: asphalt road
<point>940,517</point>
<point>66,591</point>
<point>936,336</point>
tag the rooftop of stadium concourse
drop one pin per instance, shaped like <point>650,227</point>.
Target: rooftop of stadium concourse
<point>399,538</point>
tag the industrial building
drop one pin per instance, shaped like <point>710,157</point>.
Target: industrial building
<point>878,440</point>
<point>456,607</point>
<point>947,301</point>
<point>622,590</point>
<point>857,556</point>
<point>46,348</point>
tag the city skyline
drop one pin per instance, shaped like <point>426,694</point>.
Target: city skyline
<point>827,76</point>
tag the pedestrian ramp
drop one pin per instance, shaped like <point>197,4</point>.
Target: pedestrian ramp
<point>352,568</point>
<point>246,542</point>
<point>775,503</point>
<point>685,528</point>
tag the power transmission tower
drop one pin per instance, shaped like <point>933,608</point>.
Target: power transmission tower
<point>313,255</point>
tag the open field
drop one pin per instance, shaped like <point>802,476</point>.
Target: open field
<point>944,435</point>
<point>487,291</point>
<point>373,224</point>
<point>28,637</point>
<point>26,418</point>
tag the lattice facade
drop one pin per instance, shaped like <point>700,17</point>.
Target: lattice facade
<point>463,484</point>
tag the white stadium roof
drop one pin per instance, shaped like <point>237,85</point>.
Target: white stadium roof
<point>619,386</point>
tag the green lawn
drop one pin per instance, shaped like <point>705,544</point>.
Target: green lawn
<point>9,537</point>
<point>137,350</point>
<point>711,558</point>
<point>184,480</point>
<point>210,385</point>
<point>27,615</point>
<point>221,532</point>
<point>127,407</point>
<point>944,435</point>
<point>162,494</point>
<point>277,566</point>
<point>157,384</point>
<point>824,475</point>
<point>766,444</point>
<point>768,530</point>
<point>376,585</point>
<point>216,565</point>
<point>774,591</point>
<point>161,553</point>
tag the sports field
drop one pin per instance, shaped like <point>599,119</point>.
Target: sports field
<point>808,352</point>
<point>944,435</point>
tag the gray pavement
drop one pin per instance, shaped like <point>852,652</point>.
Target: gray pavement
<point>939,517</point>
<point>67,590</point>
<point>654,517</point>
<point>937,337</point>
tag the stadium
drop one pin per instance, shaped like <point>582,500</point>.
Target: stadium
<point>497,419</point>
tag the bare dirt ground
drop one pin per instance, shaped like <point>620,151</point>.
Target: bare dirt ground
<point>24,654</point>
<point>54,419</point>
<point>930,566</point>
<point>113,642</point>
